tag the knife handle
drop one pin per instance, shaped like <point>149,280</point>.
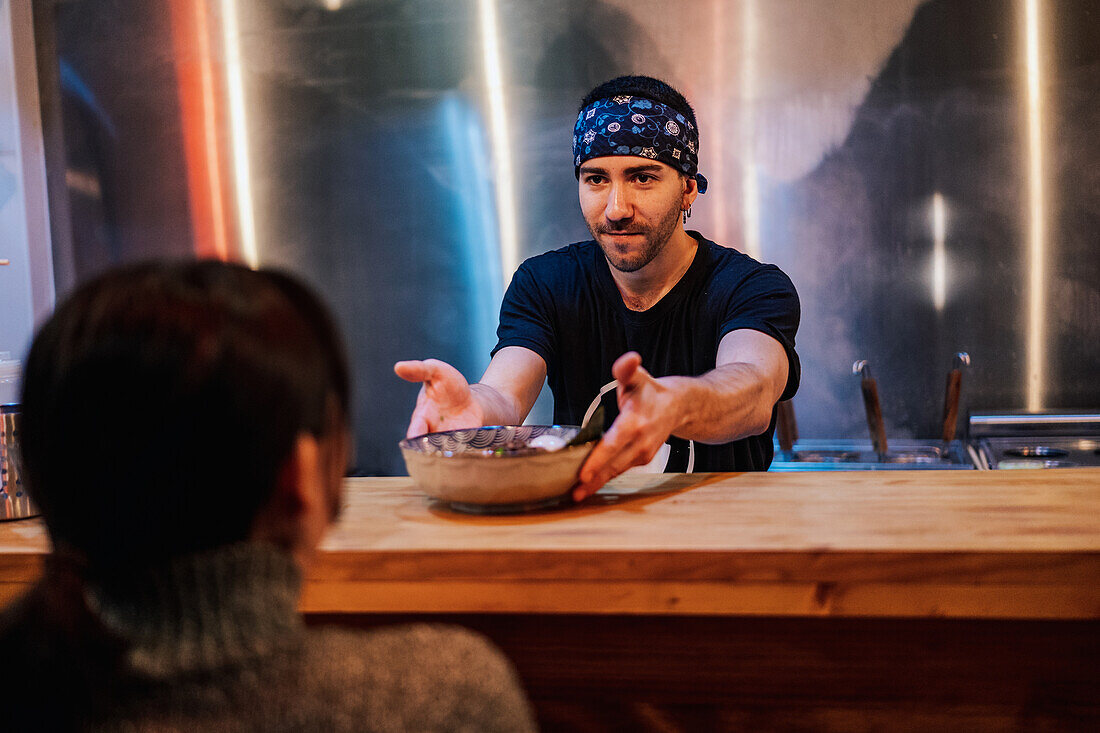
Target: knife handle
<point>951,404</point>
<point>874,415</point>
<point>786,427</point>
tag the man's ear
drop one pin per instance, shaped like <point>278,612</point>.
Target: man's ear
<point>691,192</point>
<point>298,486</point>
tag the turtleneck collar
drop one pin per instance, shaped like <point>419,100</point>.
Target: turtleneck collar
<point>200,612</point>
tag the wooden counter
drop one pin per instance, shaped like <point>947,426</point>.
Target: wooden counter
<point>981,544</point>
<point>902,600</point>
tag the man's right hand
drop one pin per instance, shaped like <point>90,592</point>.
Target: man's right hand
<point>445,402</point>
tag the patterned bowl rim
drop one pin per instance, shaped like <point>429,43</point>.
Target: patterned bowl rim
<point>412,444</point>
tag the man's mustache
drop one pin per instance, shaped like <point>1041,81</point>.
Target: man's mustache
<point>604,229</point>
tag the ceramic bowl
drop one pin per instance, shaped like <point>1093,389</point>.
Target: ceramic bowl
<point>476,470</point>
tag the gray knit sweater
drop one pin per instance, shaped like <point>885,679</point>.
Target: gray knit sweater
<point>214,643</point>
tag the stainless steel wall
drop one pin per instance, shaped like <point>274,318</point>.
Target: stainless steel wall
<point>404,156</point>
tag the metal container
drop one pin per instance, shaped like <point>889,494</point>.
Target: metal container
<point>14,501</point>
<point>863,455</point>
<point>1005,439</point>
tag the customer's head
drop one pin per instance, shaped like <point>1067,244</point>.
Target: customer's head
<point>171,408</point>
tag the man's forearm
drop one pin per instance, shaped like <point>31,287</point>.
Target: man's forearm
<point>496,407</point>
<point>728,403</point>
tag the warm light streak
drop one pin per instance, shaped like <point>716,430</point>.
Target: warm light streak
<point>750,192</point>
<point>210,133</point>
<point>714,172</point>
<point>939,255</point>
<point>200,117</point>
<point>1036,207</point>
<point>239,132</point>
<point>501,140</point>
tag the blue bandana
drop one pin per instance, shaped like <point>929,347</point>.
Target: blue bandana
<point>630,125</point>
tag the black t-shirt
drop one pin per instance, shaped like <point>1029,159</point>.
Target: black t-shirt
<point>565,306</point>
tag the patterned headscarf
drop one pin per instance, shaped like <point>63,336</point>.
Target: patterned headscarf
<point>633,125</point>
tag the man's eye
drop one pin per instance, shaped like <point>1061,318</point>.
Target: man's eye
<point>594,180</point>
<point>644,178</point>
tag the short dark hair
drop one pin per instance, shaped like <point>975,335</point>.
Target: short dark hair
<point>642,86</point>
<point>161,400</point>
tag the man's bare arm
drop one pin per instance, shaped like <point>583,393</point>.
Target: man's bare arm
<point>735,399</point>
<point>511,384</point>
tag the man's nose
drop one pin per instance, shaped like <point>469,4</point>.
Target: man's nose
<point>619,205</point>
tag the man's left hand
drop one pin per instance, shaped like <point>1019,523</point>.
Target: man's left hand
<point>647,416</point>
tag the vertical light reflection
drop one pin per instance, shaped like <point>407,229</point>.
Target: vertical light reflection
<point>475,211</point>
<point>939,255</point>
<point>239,132</point>
<point>501,140</point>
<point>750,193</point>
<point>210,132</point>
<point>199,104</point>
<point>1036,204</point>
<point>715,141</point>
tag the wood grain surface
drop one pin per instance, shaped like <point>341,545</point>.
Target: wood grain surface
<point>981,544</point>
<point>830,601</point>
<point>708,673</point>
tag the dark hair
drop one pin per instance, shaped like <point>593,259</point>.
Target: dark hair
<point>642,86</point>
<point>161,400</point>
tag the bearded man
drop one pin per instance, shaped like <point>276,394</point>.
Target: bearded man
<point>694,340</point>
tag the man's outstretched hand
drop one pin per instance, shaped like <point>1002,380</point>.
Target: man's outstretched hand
<point>647,416</point>
<point>648,413</point>
<point>445,402</point>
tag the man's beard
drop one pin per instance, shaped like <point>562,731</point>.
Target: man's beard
<point>656,237</point>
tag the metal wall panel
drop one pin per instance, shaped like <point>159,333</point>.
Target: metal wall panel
<point>403,156</point>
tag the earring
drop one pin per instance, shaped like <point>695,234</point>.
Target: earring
<point>687,214</point>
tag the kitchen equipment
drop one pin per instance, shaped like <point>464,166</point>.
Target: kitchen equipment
<point>790,450</point>
<point>1006,439</point>
<point>951,396</point>
<point>10,371</point>
<point>473,470</point>
<point>786,427</point>
<point>811,454</point>
<point>793,454</point>
<point>872,407</point>
<point>14,501</point>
